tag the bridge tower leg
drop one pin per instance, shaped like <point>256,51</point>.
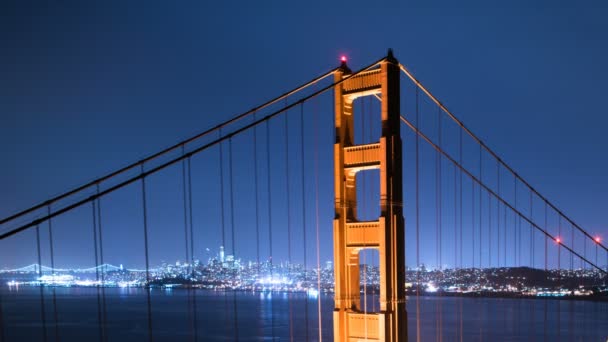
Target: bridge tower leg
<point>386,234</point>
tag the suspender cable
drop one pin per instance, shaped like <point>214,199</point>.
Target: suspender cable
<point>417,221</point>
<point>480,206</point>
<point>440,226</point>
<point>192,275</point>
<point>2,325</point>
<point>498,198</point>
<point>316,143</point>
<point>189,260</point>
<point>572,256</point>
<point>460,202</point>
<point>498,215</point>
<point>257,198</point>
<point>268,188</point>
<point>287,192</point>
<point>42,304</point>
<point>232,238</point>
<point>223,222</point>
<point>371,138</point>
<point>546,241</point>
<point>101,261</point>
<point>185,205</point>
<point>490,229</point>
<point>99,321</point>
<point>186,141</point>
<point>177,159</point>
<point>304,238</point>
<point>186,244</point>
<point>492,153</point>
<point>559,277</point>
<point>361,206</point>
<point>455,219</point>
<point>473,219</point>
<point>461,246</point>
<point>532,237</point>
<point>546,275</point>
<point>54,275</point>
<point>222,204</point>
<point>438,218</point>
<point>147,256</point>
<point>504,240</point>
<point>515,261</point>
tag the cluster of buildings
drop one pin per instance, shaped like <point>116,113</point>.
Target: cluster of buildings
<point>226,272</point>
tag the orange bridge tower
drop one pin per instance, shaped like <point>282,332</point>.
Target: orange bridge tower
<point>386,234</point>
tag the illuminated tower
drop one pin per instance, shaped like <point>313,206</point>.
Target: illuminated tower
<point>386,234</point>
<point>222,254</point>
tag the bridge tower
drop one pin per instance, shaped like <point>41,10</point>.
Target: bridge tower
<point>386,234</point>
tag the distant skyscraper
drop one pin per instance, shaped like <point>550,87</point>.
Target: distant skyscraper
<point>222,254</point>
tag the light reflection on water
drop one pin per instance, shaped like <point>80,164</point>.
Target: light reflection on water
<point>249,316</point>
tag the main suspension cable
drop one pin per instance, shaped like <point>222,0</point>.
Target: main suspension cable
<point>493,194</point>
<point>492,153</point>
<point>179,158</point>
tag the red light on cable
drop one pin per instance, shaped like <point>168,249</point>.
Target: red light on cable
<point>558,240</point>
<point>597,239</point>
<point>343,59</point>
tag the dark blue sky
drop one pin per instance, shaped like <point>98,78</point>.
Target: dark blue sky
<point>86,89</point>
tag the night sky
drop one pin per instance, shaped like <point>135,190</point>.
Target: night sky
<point>88,88</point>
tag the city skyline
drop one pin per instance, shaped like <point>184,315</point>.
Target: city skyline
<point>54,163</point>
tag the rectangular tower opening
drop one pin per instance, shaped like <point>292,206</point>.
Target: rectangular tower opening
<point>369,275</point>
<point>368,195</point>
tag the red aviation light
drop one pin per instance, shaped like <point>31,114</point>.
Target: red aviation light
<point>558,240</point>
<point>598,239</point>
<point>343,59</point>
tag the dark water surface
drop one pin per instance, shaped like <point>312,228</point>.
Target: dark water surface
<point>230,316</point>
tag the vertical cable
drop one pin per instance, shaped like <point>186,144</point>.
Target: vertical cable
<point>504,240</point>
<point>186,238</point>
<point>288,196</point>
<point>2,325</point>
<point>498,214</point>
<point>515,263</point>
<point>269,215</point>
<point>148,288</point>
<point>489,230</point>
<point>223,220</point>
<point>222,204</point>
<point>185,204</point>
<point>99,322</point>
<point>316,158</point>
<point>480,204</point>
<point>53,273</point>
<point>559,276</point>
<point>455,219</point>
<point>473,230</point>
<point>232,238</point>
<point>194,306</point>
<point>532,237</point>
<point>257,192</point>
<point>303,191</point>
<point>101,261</point>
<point>361,206</point>
<point>42,306</point>
<point>546,275</point>
<point>417,217</point>
<point>461,246</point>
<point>440,225</point>
<point>371,138</point>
